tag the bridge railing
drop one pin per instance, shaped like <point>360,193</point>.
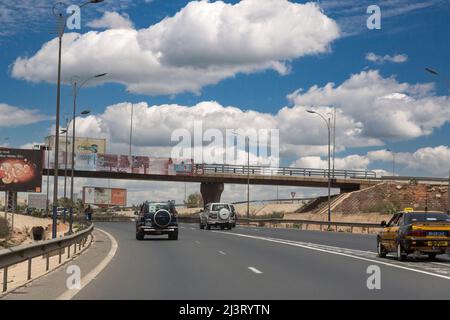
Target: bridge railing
<point>22,253</point>
<point>284,171</point>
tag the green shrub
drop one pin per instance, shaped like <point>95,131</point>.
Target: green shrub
<point>277,215</point>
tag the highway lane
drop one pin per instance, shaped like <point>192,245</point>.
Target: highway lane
<point>249,264</point>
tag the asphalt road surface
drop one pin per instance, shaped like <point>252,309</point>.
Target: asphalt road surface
<point>257,263</point>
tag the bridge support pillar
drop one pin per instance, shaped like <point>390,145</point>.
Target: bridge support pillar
<point>211,191</point>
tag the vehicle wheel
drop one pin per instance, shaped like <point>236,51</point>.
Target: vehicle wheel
<point>229,227</point>
<point>401,256</point>
<point>381,250</point>
<point>139,236</point>
<point>432,255</point>
<point>173,236</point>
<point>208,226</point>
<point>202,226</point>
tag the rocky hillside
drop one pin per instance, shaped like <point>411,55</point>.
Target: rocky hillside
<point>389,197</point>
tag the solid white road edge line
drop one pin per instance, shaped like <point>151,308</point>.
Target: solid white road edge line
<point>338,253</point>
<point>69,294</point>
<point>255,270</point>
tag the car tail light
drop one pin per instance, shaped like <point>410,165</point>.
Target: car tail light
<point>417,233</point>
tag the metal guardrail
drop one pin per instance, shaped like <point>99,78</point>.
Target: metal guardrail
<point>408,178</point>
<point>335,224</point>
<point>284,171</point>
<point>22,253</point>
<point>284,200</point>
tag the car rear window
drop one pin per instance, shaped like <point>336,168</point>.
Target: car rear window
<point>218,207</point>
<point>427,217</point>
<point>153,207</point>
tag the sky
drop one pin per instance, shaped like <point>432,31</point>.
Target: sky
<point>250,64</point>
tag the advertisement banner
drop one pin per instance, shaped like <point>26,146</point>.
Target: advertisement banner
<point>104,196</point>
<point>20,170</point>
<point>119,197</point>
<point>84,149</point>
<point>89,195</point>
<point>85,162</point>
<point>158,166</point>
<point>124,164</point>
<point>140,164</point>
<point>107,162</point>
<point>182,166</point>
<point>37,201</point>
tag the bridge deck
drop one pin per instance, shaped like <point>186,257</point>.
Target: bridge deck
<point>234,178</point>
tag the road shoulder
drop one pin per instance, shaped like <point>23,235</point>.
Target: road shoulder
<point>54,285</point>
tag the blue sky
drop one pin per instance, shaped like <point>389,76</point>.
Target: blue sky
<point>416,30</point>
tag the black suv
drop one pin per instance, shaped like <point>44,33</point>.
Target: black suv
<point>157,218</point>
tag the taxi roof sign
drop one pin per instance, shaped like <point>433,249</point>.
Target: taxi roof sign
<point>408,209</point>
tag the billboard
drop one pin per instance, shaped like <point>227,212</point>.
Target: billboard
<point>107,162</point>
<point>20,170</point>
<point>140,164</point>
<point>37,201</point>
<point>158,166</point>
<point>86,150</point>
<point>181,166</point>
<point>104,196</point>
<point>143,165</point>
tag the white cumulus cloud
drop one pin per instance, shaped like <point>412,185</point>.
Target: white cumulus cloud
<point>398,58</point>
<point>112,20</point>
<point>202,44</point>
<point>11,116</point>
<point>381,109</point>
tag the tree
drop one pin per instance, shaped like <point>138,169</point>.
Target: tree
<point>64,202</point>
<point>194,200</point>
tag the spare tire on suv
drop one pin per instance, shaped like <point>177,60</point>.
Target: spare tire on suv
<point>157,218</point>
<point>162,218</point>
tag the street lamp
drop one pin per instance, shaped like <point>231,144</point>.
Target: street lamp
<point>65,131</point>
<point>72,165</point>
<point>436,73</point>
<point>247,143</point>
<point>62,21</point>
<point>447,81</point>
<point>75,90</point>
<point>328,123</point>
<point>131,130</point>
<point>393,161</point>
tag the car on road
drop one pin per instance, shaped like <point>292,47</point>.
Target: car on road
<point>157,218</point>
<point>219,215</point>
<point>418,232</point>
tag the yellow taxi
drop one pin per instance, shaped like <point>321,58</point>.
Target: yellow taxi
<point>418,232</point>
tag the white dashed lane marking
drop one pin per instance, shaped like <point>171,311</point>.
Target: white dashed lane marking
<point>221,252</point>
<point>440,271</point>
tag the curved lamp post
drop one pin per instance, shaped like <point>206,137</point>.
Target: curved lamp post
<point>59,12</point>
<point>393,160</point>
<point>247,143</point>
<point>447,81</point>
<point>328,123</point>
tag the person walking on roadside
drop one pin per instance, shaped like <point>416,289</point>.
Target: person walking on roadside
<point>88,213</point>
